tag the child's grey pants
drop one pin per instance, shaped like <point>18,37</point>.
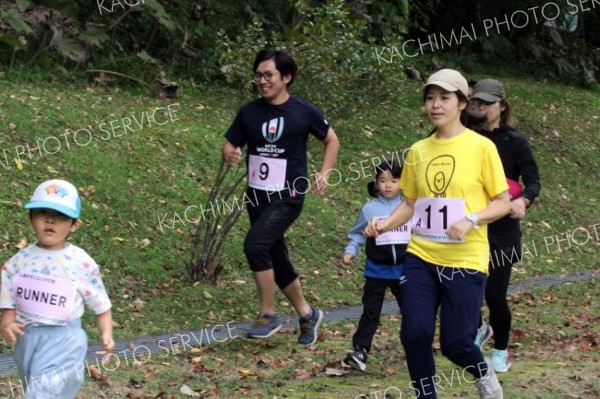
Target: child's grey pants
<point>50,360</point>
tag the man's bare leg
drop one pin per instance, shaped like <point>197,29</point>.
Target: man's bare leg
<point>293,292</point>
<point>265,282</point>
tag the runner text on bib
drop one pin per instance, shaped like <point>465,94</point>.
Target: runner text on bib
<point>399,235</point>
<point>43,298</point>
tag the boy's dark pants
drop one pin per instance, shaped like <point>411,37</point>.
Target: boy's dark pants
<point>372,299</point>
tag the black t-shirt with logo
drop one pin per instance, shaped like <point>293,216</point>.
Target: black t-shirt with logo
<point>277,136</point>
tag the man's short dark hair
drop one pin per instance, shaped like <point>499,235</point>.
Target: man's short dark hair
<point>284,62</point>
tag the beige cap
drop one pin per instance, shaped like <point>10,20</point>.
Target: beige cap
<point>449,79</point>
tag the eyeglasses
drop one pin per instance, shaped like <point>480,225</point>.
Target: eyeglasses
<point>267,75</point>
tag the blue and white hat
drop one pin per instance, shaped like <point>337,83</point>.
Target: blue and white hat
<point>58,195</point>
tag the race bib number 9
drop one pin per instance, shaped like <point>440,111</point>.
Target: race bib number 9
<point>266,173</point>
<point>43,298</point>
<point>399,235</point>
<point>433,217</point>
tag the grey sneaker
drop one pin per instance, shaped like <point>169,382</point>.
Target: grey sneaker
<point>484,333</point>
<point>489,387</point>
<point>309,327</point>
<point>264,326</point>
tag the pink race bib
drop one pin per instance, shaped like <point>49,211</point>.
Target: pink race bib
<point>266,173</point>
<point>433,217</point>
<point>43,298</point>
<point>399,235</point>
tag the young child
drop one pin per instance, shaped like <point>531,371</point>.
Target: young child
<point>384,257</point>
<point>44,289</point>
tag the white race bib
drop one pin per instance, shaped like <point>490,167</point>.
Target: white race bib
<point>266,173</point>
<point>434,216</point>
<point>399,235</point>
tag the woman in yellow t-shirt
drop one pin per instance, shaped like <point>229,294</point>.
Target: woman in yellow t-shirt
<point>454,185</point>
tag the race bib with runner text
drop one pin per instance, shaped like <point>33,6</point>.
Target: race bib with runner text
<point>43,298</point>
<point>399,235</point>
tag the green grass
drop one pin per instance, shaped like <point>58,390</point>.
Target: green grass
<point>127,182</point>
<point>554,346</point>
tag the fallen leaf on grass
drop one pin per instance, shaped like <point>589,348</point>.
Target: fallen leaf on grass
<point>546,224</point>
<point>134,383</point>
<point>187,391</point>
<point>244,372</point>
<point>21,244</point>
<point>263,363</point>
<point>584,346</point>
<point>302,374</point>
<point>138,304</point>
<point>97,375</point>
<point>517,333</point>
<point>333,372</point>
<point>197,368</point>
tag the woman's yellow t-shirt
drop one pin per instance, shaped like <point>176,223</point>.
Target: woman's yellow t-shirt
<point>449,179</point>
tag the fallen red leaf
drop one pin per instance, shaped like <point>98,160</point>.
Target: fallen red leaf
<point>302,374</point>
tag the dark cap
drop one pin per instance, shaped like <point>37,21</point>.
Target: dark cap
<point>489,90</point>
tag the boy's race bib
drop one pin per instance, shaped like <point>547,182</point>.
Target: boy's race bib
<point>43,298</point>
<point>399,235</point>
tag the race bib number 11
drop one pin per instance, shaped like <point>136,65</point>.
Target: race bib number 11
<point>266,173</point>
<point>433,217</point>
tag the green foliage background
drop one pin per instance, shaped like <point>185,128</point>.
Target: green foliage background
<point>140,37</point>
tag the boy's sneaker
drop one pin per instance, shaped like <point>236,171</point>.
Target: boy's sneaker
<point>489,387</point>
<point>357,359</point>
<point>264,326</point>
<point>500,360</point>
<point>484,333</point>
<point>309,327</point>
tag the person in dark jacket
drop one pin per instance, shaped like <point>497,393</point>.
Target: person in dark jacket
<point>491,109</point>
<point>383,267</point>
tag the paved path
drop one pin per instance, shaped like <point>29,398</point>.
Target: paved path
<point>219,333</point>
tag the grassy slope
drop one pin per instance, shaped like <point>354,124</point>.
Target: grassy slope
<point>552,345</point>
<point>128,181</point>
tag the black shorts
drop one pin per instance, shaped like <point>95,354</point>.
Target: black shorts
<point>264,245</point>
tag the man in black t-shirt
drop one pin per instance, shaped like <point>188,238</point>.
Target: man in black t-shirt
<point>276,128</point>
